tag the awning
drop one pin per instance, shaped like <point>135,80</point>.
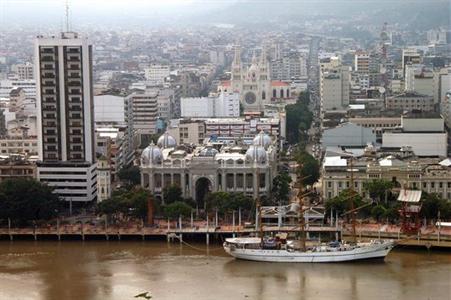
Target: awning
<point>443,224</point>
<point>409,196</point>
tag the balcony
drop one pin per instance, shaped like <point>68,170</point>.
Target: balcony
<point>47,58</point>
<point>74,83</point>
<point>48,75</point>
<point>73,58</point>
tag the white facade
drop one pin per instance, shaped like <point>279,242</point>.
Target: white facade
<point>446,109</point>
<point>224,105</point>
<point>422,80</point>
<point>423,144</point>
<point>444,82</point>
<point>72,183</point>
<point>144,111</point>
<point>103,180</point>
<point>334,88</point>
<point>109,109</point>
<point>362,62</point>
<point>211,168</point>
<point>24,71</point>
<point>348,135</point>
<point>65,116</point>
<point>156,74</point>
<point>29,86</point>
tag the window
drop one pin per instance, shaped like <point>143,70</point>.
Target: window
<point>329,184</point>
<point>339,184</point>
<point>432,184</point>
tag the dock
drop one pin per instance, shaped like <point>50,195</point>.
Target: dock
<point>427,237</point>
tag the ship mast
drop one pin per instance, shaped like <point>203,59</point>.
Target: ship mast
<point>259,208</point>
<point>300,197</point>
<point>351,202</point>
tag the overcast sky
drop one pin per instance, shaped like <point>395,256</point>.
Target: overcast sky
<point>44,13</point>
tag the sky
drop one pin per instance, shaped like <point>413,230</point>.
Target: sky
<point>42,13</point>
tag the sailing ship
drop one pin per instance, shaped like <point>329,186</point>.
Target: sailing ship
<point>280,249</point>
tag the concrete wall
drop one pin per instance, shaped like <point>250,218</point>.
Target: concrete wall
<point>348,135</point>
<point>423,144</point>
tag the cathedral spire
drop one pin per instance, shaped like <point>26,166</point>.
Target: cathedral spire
<point>263,56</point>
<point>237,58</point>
<point>254,58</point>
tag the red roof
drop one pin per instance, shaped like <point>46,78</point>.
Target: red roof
<point>225,83</point>
<point>279,83</point>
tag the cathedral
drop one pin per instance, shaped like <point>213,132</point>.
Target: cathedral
<point>254,83</point>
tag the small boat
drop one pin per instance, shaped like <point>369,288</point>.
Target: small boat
<point>251,248</point>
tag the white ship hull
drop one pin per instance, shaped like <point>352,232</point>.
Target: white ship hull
<point>369,251</point>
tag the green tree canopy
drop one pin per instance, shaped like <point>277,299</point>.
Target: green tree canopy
<point>378,188</point>
<point>24,200</point>
<point>131,175</point>
<point>309,167</point>
<point>299,119</point>
<point>341,203</point>
<point>432,204</point>
<point>172,193</point>
<point>281,188</point>
<point>227,202</point>
<point>129,203</point>
<point>176,209</point>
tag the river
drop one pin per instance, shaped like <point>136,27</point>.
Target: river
<point>121,270</point>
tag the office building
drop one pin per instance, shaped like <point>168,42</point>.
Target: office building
<point>65,116</point>
<point>225,104</point>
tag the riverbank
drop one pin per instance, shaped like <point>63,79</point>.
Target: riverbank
<point>428,237</point>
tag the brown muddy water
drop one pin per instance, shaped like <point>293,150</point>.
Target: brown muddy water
<point>121,270</point>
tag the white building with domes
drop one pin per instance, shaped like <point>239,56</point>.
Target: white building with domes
<point>247,166</point>
<point>254,83</point>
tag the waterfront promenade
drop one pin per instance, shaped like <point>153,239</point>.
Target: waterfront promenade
<point>429,236</point>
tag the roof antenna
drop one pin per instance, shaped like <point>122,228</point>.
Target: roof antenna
<point>67,15</point>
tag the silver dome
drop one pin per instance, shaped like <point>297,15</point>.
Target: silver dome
<point>262,139</point>
<point>256,153</point>
<point>151,155</point>
<point>208,151</point>
<point>166,141</point>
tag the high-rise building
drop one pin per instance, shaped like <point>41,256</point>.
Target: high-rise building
<point>65,116</point>
<point>24,71</point>
<point>222,105</point>
<point>103,179</point>
<point>410,57</point>
<point>335,88</point>
<point>362,62</point>
<point>422,80</point>
<point>289,67</point>
<point>156,74</point>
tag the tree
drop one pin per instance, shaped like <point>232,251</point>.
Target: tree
<point>432,204</point>
<point>172,193</point>
<point>309,167</point>
<point>341,203</point>
<point>126,203</point>
<point>131,175</point>
<point>24,200</point>
<point>281,188</point>
<point>378,188</point>
<point>378,212</point>
<point>299,119</point>
<point>176,209</point>
<point>218,200</point>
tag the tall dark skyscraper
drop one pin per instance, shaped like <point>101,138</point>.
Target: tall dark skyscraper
<point>65,115</point>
